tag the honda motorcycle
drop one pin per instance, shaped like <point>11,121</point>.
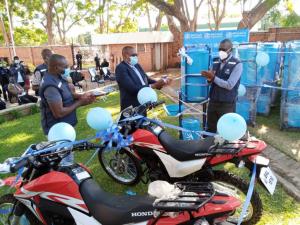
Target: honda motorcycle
<point>50,194</point>
<point>156,155</point>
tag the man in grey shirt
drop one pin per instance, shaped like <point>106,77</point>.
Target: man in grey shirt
<point>225,78</point>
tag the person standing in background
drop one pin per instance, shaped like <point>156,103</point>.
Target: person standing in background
<point>17,71</point>
<point>4,79</point>
<point>41,70</point>
<point>97,61</point>
<point>79,60</point>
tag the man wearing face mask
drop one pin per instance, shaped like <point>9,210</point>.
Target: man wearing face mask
<point>225,80</point>
<point>41,70</point>
<point>17,71</point>
<point>58,102</point>
<point>131,78</point>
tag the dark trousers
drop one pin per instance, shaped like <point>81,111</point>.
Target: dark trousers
<point>215,111</point>
<point>97,66</point>
<point>79,65</point>
<point>5,91</point>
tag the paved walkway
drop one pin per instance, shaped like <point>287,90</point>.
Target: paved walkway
<point>287,170</point>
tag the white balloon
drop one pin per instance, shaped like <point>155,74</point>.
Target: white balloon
<point>62,131</point>
<point>146,94</point>
<point>99,119</point>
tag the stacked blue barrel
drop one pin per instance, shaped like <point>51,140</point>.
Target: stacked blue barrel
<point>290,101</point>
<point>269,75</point>
<point>246,105</point>
<point>194,87</point>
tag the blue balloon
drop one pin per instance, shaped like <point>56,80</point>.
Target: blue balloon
<point>241,90</point>
<point>99,119</point>
<point>146,94</point>
<point>62,131</point>
<point>231,126</point>
<point>262,59</point>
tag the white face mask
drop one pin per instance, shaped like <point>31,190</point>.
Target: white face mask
<point>223,55</point>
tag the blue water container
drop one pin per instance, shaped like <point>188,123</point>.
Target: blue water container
<point>193,124</point>
<point>293,115</point>
<point>247,55</point>
<point>173,109</point>
<point>263,105</point>
<point>243,107</point>
<point>194,86</point>
<point>290,101</point>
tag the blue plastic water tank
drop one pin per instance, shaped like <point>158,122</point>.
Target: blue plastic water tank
<point>191,124</point>
<point>293,113</point>
<point>268,72</point>
<point>243,107</point>
<point>247,54</point>
<point>194,86</point>
<point>263,104</point>
<point>173,109</point>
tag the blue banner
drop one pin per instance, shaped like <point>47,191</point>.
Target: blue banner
<point>213,38</point>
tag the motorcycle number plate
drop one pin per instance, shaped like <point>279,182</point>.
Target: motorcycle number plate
<point>268,179</point>
<point>82,175</point>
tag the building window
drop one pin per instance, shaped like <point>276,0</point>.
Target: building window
<point>141,48</point>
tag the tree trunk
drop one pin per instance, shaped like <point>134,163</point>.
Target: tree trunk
<point>49,23</point>
<point>158,21</point>
<point>250,18</point>
<point>148,17</point>
<point>3,30</point>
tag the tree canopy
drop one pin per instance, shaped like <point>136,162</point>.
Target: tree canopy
<point>38,22</point>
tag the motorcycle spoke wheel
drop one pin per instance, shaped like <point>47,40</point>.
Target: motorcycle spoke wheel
<point>237,187</point>
<point>122,167</point>
<point>6,217</point>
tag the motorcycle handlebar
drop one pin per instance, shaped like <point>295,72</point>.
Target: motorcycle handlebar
<point>15,167</point>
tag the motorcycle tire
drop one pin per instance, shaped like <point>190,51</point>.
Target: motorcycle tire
<point>242,185</point>
<point>109,171</point>
<point>10,199</point>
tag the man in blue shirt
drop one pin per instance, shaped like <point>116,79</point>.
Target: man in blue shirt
<point>131,78</point>
<point>225,80</point>
<point>58,102</point>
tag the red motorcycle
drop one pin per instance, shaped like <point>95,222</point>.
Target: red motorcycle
<point>49,194</point>
<point>156,155</point>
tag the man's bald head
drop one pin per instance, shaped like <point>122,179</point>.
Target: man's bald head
<point>128,51</point>
<point>225,45</point>
<point>57,64</point>
<point>46,54</point>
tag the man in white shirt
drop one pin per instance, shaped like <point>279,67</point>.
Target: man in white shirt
<point>17,71</point>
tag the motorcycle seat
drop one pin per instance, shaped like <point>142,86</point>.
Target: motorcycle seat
<point>113,209</point>
<point>184,150</point>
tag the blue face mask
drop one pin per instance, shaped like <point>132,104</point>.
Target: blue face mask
<point>66,73</point>
<point>134,60</point>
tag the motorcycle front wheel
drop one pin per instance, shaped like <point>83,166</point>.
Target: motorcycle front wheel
<point>233,185</point>
<point>120,165</point>
<point>7,204</point>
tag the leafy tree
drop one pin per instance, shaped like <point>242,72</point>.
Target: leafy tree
<point>250,18</point>
<point>29,36</point>
<point>217,8</point>
<point>69,13</point>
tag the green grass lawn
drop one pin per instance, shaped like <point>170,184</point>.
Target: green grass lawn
<point>16,135</point>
